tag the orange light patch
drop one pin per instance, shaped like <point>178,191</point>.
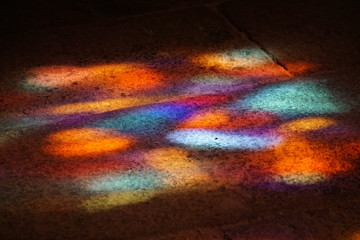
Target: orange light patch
<point>299,156</point>
<point>307,124</point>
<point>300,67</point>
<point>85,142</point>
<point>122,77</point>
<point>355,236</point>
<point>128,77</point>
<point>103,105</point>
<point>176,162</point>
<point>224,119</point>
<point>269,71</point>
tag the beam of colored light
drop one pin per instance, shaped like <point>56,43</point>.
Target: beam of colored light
<point>210,139</point>
<point>269,72</point>
<point>206,100</point>
<point>148,120</point>
<point>239,58</point>
<point>126,181</point>
<point>85,142</point>
<point>293,99</point>
<point>183,170</point>
<point>103,105</point>
<point>302,162</point>
<point>222,119</point>
<point>112,200</point>
<point>307,124</point>
<point>120,77</point>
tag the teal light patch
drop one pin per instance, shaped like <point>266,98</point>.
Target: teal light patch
<point>293,99</point>
<point>144,180</point>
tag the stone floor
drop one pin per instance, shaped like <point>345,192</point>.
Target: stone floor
<point>178,119</point>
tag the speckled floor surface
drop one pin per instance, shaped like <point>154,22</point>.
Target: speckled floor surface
<point>180,120</point>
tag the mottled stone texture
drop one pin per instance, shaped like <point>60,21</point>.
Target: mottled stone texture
<point>322,32</point>
<point>321,38</point>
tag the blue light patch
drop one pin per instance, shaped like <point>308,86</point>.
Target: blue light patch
<point>209,139</point>
<point>147,120</point>
<point>293,99</point>
<point>144,180</point>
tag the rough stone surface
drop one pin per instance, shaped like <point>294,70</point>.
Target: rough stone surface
<point>85,151</point>
<point>321,32</point>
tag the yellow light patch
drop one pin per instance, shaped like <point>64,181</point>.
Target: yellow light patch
<point>85,142</point>
<point>108,201</point>
<point>300,178</point>
<point>238,58</point>
<point>308,124</point>
<point>176,162</point>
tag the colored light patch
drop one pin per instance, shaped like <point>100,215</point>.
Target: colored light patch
<point>300,178</point>
<point>207,119</point>
<point>183,170</point>
<point>239,58</point>
<point>108,201</point>
<point>300,67</point>
<point>307,124</point>
<point>121,77</point>
<point>209,139</point>
<point>126,181</point>
<point>222,119</point>
<point>355,236</point>
<point>205,100</point>
<point>48,77</point>
<point>103,105</point>
<point>128,77</point>
<point>269,72</point>
<point>292,99</point>
<point>221,80</point>
<point>299,157</point>
<point>147,120</point>
<point>85,142</point>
